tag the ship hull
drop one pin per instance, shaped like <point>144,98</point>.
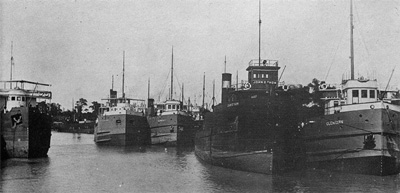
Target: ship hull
<point>172,129</point>
<point>362,141</point>
<point>122,130</point>
<point>26,132</point>
<point>254,136</point>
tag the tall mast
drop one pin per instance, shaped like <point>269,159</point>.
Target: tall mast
<point>351,40</point>
<point>259,32</point>
<point>123,74</point>
<point>12,63</point>
<point>172,74</point>
<point>204,87</point>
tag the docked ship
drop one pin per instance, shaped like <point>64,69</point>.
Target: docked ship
<point>25,120</point>
<point>254,127</point>
<point>122,121</point>
<point>170,123</point>
<point>359,129</point>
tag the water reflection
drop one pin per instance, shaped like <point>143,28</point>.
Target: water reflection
<point>76,164</point>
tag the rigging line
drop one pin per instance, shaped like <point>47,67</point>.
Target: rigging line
<point>334,56</point>
<point>362,38</point>
<point>165,85</point>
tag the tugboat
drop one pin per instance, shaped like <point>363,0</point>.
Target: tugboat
<point>170,123</point>
<point>122,121</point>
<point>25,120</point>
<point>254,127</point>
<point>359,129</point>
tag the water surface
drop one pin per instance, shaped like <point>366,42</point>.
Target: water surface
<point>76,164</point>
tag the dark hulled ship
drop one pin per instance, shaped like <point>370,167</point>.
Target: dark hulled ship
<point>254,127</point>
<point>25,121</point>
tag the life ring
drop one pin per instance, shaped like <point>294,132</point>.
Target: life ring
<point>247,86</point>
<point>285,87</point>
<point>372,107</point>
<point>323,86</point>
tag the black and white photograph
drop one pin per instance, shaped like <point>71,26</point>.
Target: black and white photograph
<point>203,96</point>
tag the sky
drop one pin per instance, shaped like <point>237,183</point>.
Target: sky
<point>77,46</point>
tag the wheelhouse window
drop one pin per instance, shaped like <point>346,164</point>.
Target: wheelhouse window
<point>364,94</point>
<point>18,98</point>
<point>173,107</point>
<point>355,93</point>
<point>335,103</point>
<point>372,94</point>
<point>13,98</point>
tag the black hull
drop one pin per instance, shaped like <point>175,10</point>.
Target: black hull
<point>29,138</point>
<point>257,161</point>
<point>256,135</point>
<point>374,165</point>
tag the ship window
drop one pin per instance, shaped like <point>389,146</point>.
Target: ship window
<point>18,98</point>
<point>254,75</point>
<point>168,106</point>
<point>355,93</point>
<point>371,93</point>
<point>262,75</point>
<point>13,98</point>
<point>173,106</point>
<point>342,103</point>
<point>266,75</point>
<point>23,98</point>
<point>364,94</point>
<point>335,103</point>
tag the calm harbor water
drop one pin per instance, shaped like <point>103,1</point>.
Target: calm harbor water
<point>76,164</point>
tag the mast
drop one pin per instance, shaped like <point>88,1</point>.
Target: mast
<point>204,87</point>
<point>213,98</point>
<point>12,63</point>
<point>172,74</point>
<point>259,32</point>
<point>123,75</point>
<point>237,80</point>
<point>148,89</point>
<point>112,82</point>
<point>182,94</point>
<point>225,65</point>
<point>351,40</point>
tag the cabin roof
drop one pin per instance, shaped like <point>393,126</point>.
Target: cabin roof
<point>24,81</point>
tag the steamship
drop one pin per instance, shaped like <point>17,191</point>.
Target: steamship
<point>122,121</point>
<point>25,121</point>
<point>170,123</point>
<point>359,129</point>
<point>250,128</point>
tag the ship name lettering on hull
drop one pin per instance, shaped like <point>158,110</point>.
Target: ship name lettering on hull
<point>233,104</point>
<point>330,123</point>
